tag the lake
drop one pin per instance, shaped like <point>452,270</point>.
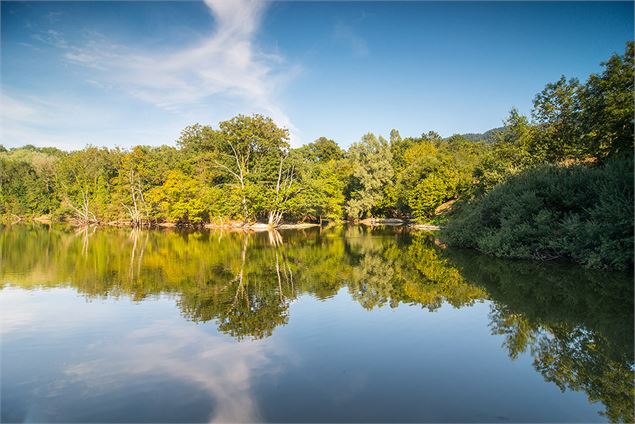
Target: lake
<point>343,324</point>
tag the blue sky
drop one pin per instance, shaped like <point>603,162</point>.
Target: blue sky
<point>126,73</point>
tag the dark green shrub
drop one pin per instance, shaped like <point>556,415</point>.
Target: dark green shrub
<point>581,213</point>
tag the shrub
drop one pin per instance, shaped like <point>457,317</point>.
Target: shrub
<point>581,213</point>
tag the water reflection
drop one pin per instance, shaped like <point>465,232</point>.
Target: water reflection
<point>218,368</point>
<point>577,325</point>
<point>146,370</point>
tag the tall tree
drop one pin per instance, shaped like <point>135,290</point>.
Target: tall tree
<point>85,180</point>
<point>372,171</point>
<point>250,151</point>
<point>556,111</point>
<point>607,107</point>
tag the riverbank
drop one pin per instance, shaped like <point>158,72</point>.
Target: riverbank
<point>225,225</point>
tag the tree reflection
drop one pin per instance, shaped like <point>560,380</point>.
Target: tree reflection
<point>575,359</point>
<point>243,281</point>
<point>576,324</point>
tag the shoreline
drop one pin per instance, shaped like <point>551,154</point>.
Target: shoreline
<point>230,225</point>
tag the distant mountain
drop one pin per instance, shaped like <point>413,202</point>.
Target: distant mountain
<point>488,136</point>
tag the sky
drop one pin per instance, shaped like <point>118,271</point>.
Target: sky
<point>129,73</point>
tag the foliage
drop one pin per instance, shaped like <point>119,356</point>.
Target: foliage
<point>84,178</point>
<point>245,170</point>
<point>322,196</point>
<point>580,213</point>
<point>371,172</point>
<point>562,185</point>
<point>557,116</point>
<point>607,107</point>
<point>179,199</point>
<point>431,172</point>
<point>27,181</point>
<point>321,150</point>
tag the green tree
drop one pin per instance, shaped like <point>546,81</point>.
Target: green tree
<point>84,178</point>
<point>607,108</point>
<point>250,152</point>
<point>435,189</point>
<point>321,150</point>
<point>322,191</point>
<point>557,112</point>
<point>371,172</point>
<point>27,181</point>
<point>513,151</point>
<point>179,199</point>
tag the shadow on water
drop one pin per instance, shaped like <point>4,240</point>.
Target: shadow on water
<point>576,324</point>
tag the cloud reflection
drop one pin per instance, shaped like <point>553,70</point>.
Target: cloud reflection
<point>216,364</point>
<point>109,359</point>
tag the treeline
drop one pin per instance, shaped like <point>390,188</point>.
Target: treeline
<point>245,171</point>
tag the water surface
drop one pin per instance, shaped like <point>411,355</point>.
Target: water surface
<point>349,324</point>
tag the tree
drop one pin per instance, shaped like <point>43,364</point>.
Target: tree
<point>607,108</point>
<point>557,112</point>
<point>180,199</point>
<point>141,169</point>
<point>27,181</point>
<point>371,172</point>
<point>250,151</point>
<point>130,182</point>
<point>321,150</point>
<point>84,177</point>
<point>514,150</point>
<point>435,189</point>
<point>323,194</point>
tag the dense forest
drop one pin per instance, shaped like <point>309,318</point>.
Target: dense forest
<point>558,184</point>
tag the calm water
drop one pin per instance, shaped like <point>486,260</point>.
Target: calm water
<point>348,324</point>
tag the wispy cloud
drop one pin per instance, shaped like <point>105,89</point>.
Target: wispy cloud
<point>227,63</point>
<point>53,16</point>
<point>51,37</point>
<point>167,87</point>
<point>347,35</point>
<point>68,123</point>
<point>15,110</point>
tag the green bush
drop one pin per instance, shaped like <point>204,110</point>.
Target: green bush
<point>581,213</point>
